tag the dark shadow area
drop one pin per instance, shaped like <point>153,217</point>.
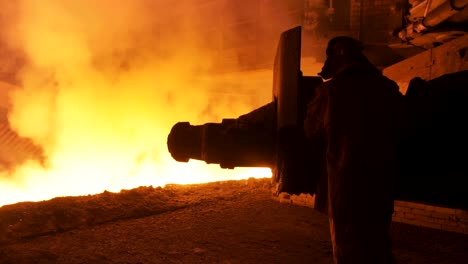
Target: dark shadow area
<point>434,152</point>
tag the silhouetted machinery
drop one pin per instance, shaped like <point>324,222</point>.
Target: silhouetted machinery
<point>270,136</point>
<point>434,153</point>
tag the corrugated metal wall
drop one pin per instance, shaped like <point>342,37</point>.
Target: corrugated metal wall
<point>14,149</point>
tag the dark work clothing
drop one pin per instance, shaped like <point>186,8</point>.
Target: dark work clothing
<point>357,114</point>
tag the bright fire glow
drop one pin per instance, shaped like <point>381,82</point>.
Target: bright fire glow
<point>103,84</point>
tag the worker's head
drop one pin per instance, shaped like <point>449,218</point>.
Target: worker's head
<point>341,52</point>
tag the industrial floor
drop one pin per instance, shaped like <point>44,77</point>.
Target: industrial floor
<point>222,222</point>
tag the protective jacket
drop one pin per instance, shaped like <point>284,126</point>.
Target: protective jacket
<point>357,115</point>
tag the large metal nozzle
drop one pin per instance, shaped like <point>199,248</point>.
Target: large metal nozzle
<point>184,142</point>
<point>248,141</point>
<point>270,136</point>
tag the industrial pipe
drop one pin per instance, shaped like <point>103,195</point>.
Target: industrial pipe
<point>418,12</point>
<point>440,14</point>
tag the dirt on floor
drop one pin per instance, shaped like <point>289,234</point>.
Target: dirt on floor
<point>221,222</point>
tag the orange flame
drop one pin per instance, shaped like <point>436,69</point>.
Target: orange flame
<point>103,85</point>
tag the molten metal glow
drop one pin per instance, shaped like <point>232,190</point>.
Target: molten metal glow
<point>101,90</point>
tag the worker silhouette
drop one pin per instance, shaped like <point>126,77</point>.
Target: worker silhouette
<point>356,113</point>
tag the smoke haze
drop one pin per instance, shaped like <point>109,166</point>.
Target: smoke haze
<point>104,81</point>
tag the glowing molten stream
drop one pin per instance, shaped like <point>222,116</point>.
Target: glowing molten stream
<point>102,86</point>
